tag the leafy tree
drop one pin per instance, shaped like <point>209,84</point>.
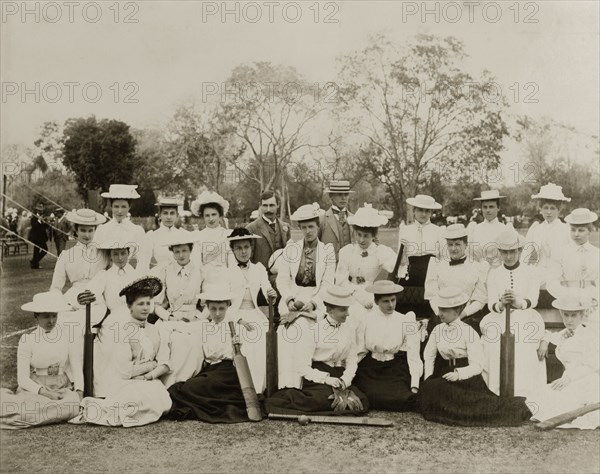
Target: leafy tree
<point>99,153</point>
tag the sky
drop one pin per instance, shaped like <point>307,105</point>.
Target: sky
<point>137,61</point>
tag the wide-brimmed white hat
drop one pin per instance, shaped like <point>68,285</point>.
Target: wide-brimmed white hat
<point>340,186</point>
<point>423,201</point>
<point>510,239</point>
<point>181,237</point>
<point>573,300</point>
<point>209,197</point>
<point>215,293</point>
<point>85,217</point>
<point>338,296</point>
<point>551,192</point>
<point>48,302</point>
<point>581,216</point>
<point>384,287</point>
<point>168,202</point>
<point>367,216</point>
<point>450,297</point>
<point>455,231</point>
<point>489,195</point>
<point>121,191</point>
<point>306,212</point>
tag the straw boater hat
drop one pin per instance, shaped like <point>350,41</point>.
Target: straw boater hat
<point>581,216</point>
<point>85,217</point>
<point>146,283</point>
<point>121,191</point>
<point>450,297</point>
<point>181,237</point>
<point>48,302</point>
<point>209,197</point>
<point>241,233</point>
<point>215,293</point>
<point>510,239</point>
<point>384,287</point>
<point>423,201</point>
<point>338,296</point>
<point>455,231</point>
<point>572,300</point>
<point>490,195</point>
<point>306,212</point>
<point>339,186</point>
<point>168,202</point>
<point>367,216</point>
<point>551,192</point>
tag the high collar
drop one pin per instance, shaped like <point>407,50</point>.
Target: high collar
<point>312,245</point>
<point>268,221</point>
<point>456,323</point>
<point>418,224</point>
<point>512,267</point>
<point>370,249</point>
<point>334,208</point>
<point>493,221</point>
<point>165,228</point>
<point>331,322</point>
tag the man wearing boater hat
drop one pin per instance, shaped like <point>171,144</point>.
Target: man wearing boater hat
<point>334,228</point>
<point>482,236</point>
<point>120,197</point>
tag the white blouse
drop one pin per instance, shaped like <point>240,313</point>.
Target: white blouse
<point>578,353</point>
<point>385,335</point>
<point>135,234</point>
<point>78,265</point>
<point>216,341</point>
<point>469,276</point>
<point>523,280</point>
<point>545,243</point>
<point>107,284</point>
<point>181,287</point>
<point>455,340</point>
<point>328,342</point>
<point>482,238</point>
<point>157,245</point>
<point>419,239</point>
<point>578,266</point>
<point>39,350</point>
<point>352,263</point>
<point>212,247</point>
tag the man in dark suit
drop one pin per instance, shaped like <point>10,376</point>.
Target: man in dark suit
<point>274,232</point>
<point>334,227</point>
<point>39,236</point>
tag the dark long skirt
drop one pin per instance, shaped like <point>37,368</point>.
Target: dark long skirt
<point>467,402</point>
<point>214,396</point>
<point>313,398</point>
<point>386,384</point>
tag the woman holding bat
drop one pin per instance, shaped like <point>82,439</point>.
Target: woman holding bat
<point>325,362</point>
<point>516,286</point>
<point>49,370</point>
<point>577,349</point>
<point>454,392</point>
<point>214,395</point>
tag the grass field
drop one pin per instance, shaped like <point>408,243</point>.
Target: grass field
<point>411,445</point>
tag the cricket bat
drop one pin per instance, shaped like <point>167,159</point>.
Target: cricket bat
<point>88,354</point>
<point>567,417</point>
<point>507,360</point>
<point>245,378</point>
<point>272,365</point>
<point>338,420</point>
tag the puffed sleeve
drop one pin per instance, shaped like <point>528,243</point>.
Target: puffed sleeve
<point>386,257</point>
<point>343,271</point>
<point>431,283</point>
<point>329,275</point>
<point>431,351</point>
<point>59,277</point>
<point>163,354</point>
<point>412,343</point>
<point>24,355</point>
<point>479,295</point>
<point>475,355</point>
<point>305,350</point>
<point>533,288</point>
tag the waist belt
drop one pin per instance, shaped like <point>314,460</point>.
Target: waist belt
<point>358,279</point>
<point>460,362</point>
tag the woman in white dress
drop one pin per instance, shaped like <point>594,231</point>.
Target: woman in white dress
<point>390,364</point>
<point>49,370</point>
<point>246,280</point>
<point>140,356</point>
<point>517,286</point>
<point>212,249</point>
<point>79,264</point>
<point>577,349</point>
<point>361,262</point>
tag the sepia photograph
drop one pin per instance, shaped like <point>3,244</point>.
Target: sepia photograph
<point>300,236</point>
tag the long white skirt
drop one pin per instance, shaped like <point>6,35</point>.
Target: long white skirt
<point>528,328</point>
<point>547,402</point>
<point>186,356</point>
<point>133,403</point>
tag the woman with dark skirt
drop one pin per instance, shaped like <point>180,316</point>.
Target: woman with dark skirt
<point>391,366</point>
<point>214,395</point>
<point>454,392</point>
<point>325,364</point>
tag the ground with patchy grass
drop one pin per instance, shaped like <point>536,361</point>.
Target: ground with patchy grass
<point>411,445</point>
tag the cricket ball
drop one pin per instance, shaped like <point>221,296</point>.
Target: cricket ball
<point>303,420</point>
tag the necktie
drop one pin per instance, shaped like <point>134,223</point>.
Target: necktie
<point>342,216</point>
<point>243,264</point>
<point>272,226</point>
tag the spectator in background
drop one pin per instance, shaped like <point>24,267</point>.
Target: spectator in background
<point>38,235</point>
<point>61,231</point>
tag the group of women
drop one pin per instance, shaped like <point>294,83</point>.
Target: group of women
<point>164,347</point>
